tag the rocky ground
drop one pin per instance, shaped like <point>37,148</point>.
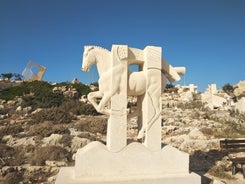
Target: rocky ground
<point>32,149</point>
<point>197,131</point>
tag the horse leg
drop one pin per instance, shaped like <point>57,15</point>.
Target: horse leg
<point>139,121</point>
<point>156,97</point>
<point>102,104</point>
<point>92,98</point>
<point>153,92</point>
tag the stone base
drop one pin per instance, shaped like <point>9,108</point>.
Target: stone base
<point>67,176</point>
<point>133,164</point>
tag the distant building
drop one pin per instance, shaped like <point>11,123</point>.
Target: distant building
<point>192,88</point>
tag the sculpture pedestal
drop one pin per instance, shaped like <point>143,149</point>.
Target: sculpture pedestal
<point>133,164</point>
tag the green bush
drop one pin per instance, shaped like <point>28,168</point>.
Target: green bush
<point>76,107</point>
<point>87,109</point>
<point>43,100</point>
<point>26,88</point>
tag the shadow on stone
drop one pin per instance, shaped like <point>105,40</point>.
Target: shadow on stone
<point>201,162</point>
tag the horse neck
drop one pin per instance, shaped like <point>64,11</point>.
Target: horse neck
<point>103,60</point>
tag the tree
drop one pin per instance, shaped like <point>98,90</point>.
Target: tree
<point>227,88</point>
<point>18,76</point>
<point>170,88</point>
<point>7,75</point>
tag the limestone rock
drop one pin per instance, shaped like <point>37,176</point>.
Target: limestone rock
<point>11,102</point>
<point>218,182</point>
<point>187,97</point>
<point>240,105</point>
<point>27,109</point>
<point>52,140</point>
<point>53,163</point>
<point>74,132</point>
<point>75,81</point>
<point>239,89</point>
<point>37,110</point>
<point>18,109</point>
<point>196,134</point>
<point>78,142</point>
<point>14,141</point>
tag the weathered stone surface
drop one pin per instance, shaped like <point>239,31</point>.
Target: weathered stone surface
<point>129,165</point>
<point>117,160</point>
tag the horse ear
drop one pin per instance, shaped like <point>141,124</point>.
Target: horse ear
<point>86,47</point>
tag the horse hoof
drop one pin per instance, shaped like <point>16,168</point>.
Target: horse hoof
<point>140,135</point>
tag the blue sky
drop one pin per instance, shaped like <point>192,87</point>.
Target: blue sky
<point>207,37</point>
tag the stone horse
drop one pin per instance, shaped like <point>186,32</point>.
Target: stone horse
<point>137,84</point>
<point>102,58</point>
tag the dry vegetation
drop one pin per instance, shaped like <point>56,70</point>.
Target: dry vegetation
<point>29,155</point>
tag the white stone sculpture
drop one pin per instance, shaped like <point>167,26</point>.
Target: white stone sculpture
<point>28,73</point>
<point>116,161</point>
<point>149,82</point>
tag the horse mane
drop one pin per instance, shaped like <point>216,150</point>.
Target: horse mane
<point>90,47</point>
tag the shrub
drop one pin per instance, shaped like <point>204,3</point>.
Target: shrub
<point>11,92</point>
<point>196,104</point>
<point>7,130</point>
<point>230,129</point>
<point>4,110</point>
<point>170,89</point>
<point>76,107</point>
<point>26,88</point>
<point>38,176</point>
<point>12,156</point>
<point>55,153</point>
<point>14,177</point>
<point>43,100</point>
<point>66,140</point>
<point>227,88</point>
<point>6,151</point>
<point>54,114</point>
<point>207,131</point>
<point>220,172</point>
<point>93,125</point>
<point>88,109</point>
<point>45,129</point>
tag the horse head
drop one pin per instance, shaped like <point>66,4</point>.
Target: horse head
<point>88,58</point>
